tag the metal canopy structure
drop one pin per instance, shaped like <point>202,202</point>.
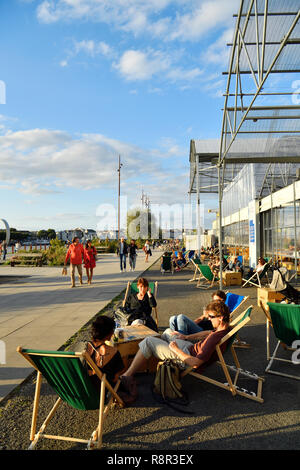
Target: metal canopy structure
<point>259,105</point>
<point>266,42</point>
<point>261,115</point>
<point>269,177</point>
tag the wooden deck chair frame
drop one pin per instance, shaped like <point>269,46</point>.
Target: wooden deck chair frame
<point>197,270</point>
<point>271,358</point>
<point>154,293</point>
<point>258,276</point>
<point>96,438</point>
<point>231,384</point>
<point>238,343</point>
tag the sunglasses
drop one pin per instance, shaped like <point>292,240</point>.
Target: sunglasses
<point>213,316</point>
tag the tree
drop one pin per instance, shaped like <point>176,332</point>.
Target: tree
<point>141,224</point>
<point>51,234</point>
<point>42,234</point>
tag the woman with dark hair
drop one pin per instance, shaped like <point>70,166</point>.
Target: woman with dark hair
<point>107,358</point>
<point>140,304</point>
<point>90,253</point>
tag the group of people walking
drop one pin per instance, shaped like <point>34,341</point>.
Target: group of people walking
<point>123,250</point>
<point>78,254</point>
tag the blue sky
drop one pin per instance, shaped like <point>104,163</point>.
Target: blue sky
<point>87,80</point>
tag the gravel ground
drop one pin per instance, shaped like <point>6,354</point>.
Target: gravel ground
<point>220,421</point>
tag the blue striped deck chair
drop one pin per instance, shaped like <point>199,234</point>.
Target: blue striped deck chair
<point>231,384</point>
<point>233,302</point>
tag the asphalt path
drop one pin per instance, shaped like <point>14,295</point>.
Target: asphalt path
<point>219,420</point>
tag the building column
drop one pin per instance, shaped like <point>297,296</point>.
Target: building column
<point>254,233</point>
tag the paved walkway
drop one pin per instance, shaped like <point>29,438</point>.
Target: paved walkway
<point>219,422</point>
<point>38,309</point>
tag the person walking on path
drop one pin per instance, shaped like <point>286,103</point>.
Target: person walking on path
<point>90,254</point>
<point>132,255</point>
<point>75,253</point>
<point>122,251</point>
<point>4,248</point>
<point>147,250</point>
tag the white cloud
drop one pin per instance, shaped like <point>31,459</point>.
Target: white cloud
<point>93,48</point>
<point>187,20</point>
<point>218,52</point>
<point>138,65</point>
<point>40,162</point>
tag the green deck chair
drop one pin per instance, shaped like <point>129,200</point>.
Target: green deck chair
<point>206,277</point>
<point>226,344</point>
<point>167,265</point>
<point>132,288</point>
<point>285,320</point>
<point>70,380</point>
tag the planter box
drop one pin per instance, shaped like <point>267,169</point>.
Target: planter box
<point>232,278</point>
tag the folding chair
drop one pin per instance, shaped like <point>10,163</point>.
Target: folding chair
<point>224,345</point>
<point>70,380</point>
<point>167,265</point>
<point>196,262</point>
<point>233,302</point>
<point>133,288</point>
<point>285,320</point>
<point>256,278</point>
<point>206,276</point>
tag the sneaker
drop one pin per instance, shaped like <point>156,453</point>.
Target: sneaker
<point>121,270</point>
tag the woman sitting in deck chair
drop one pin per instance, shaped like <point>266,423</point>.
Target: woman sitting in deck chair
<point>107,358</point>
<point>180,262</point>
<point>260,266</point>
<point>185,353</point>
<point>140,304</point>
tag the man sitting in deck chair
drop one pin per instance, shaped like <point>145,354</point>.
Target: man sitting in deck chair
<point>184,328</point>
<point>185,353</point>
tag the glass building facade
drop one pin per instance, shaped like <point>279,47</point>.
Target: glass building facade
<point>280,234</point>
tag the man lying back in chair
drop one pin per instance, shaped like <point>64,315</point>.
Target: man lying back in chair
<point>185,353</point>
<point>182,325</point>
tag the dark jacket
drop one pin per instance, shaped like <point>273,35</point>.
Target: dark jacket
<point>125,248</point>
<point>142,309</point>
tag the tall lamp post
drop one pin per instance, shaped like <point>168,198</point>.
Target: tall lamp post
<point>119,194</point>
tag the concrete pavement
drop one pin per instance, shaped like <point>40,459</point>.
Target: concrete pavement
<point>39,310</point>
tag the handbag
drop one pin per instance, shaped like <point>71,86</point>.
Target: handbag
<point>122,316</point>
<point>64,271</point>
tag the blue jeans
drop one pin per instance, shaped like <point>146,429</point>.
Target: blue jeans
<point>122,261</point>
<point>184,325</point>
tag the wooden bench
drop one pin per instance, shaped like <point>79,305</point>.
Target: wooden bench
<point>27,259</point>
<point>102,249</point>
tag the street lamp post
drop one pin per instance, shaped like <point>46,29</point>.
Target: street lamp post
<point>119,194</point>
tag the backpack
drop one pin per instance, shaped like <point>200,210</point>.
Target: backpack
<point>167,387</point>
